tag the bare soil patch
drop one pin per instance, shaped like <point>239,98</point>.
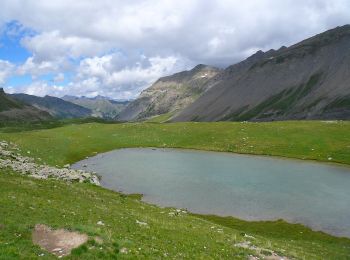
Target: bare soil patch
<point>58,242</point>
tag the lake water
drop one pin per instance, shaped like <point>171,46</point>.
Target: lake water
<point>248,187</point>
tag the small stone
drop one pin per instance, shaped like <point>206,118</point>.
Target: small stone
<point>100,223</point>
<point>141,223</point>
<point>124,250</point>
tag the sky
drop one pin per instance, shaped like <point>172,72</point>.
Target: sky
<point>117,48</point>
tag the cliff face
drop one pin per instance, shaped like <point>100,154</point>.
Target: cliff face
<point>170,94</point>
<point>309,80</point>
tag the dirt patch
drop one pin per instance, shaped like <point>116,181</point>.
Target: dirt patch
<point>58,242</point>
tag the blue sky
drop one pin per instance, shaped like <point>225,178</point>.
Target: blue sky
<point>118,48</point>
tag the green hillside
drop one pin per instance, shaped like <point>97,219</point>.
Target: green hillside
<point>26,202</point>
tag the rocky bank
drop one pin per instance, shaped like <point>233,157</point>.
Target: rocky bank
<point>10,157</point>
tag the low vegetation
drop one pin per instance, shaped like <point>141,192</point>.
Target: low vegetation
<point>128,228</point>
<point>311,140</point>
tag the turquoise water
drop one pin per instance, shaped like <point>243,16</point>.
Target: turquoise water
<point>248,187</point>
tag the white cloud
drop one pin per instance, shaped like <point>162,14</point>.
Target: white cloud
<point>6,70</point>
<point>38,88</point>
<point>59,78</point>
<point>52,45</point>
<point>217,32</point>
<point>30,66</point>
<point>103,76</point>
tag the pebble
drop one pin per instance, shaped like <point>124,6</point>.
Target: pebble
<point>141,223</point>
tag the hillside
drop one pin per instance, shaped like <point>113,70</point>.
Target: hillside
<point>100,106</point>
<point>309,80</point>
<point>15,111</point>
<point>118,220</point>
<point>170,94</point>
<point>56,107</point>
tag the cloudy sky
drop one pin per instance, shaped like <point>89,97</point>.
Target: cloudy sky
<point>117,48</point>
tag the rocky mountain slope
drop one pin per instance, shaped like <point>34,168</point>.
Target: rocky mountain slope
<point>170,94</point>
<point>100,106</point>
<point>56,107</point>
<point>12,110</point>
<point>309,80</point>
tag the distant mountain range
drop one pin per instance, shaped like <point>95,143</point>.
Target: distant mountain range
<point>56,107</point>
<point>12,110</point>
<point>99,106</point>
<point>170,94</point>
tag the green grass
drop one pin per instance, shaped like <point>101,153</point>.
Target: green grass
<point>161,118</point>
<point>312,140</point>
<point>26,202</point>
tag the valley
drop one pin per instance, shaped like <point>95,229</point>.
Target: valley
<point>121,233</point>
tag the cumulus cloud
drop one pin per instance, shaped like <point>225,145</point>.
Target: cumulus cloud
<point>38,88</point>
<point>52,46</point>
<point>104,76</point>
<point>6,69</point>
<point>59,78</point>
<point>35,68</point>
<point>117,45</point>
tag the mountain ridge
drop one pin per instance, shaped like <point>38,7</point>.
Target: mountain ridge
<point>56,107</point>
<point>308,80</point>
<point>12,110</point>
<point>169,94</point>
<point>100,106</point>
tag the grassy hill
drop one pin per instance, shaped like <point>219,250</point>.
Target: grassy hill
<point>7,103</point>
<point>26,201</point>
<point>14,111</point>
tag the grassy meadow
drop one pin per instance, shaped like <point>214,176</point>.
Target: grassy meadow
<point>311,140</point>
<point>167,234</point>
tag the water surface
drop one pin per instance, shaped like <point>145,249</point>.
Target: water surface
<point>247,187</point>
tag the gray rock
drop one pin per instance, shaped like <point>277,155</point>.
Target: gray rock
<point>27,166</point>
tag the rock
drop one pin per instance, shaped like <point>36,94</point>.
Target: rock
<point>100,223</point>
<point>27,166</point>
<point>124,250</point>
<point>141,223</point>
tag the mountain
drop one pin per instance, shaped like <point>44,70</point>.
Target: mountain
<point>308,80</point>
<point>12,110</point>
<point>170,94</point>
<point>56,107</point>
<point>100,106</point>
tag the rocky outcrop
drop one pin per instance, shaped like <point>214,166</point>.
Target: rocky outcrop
<point>309,80</point>
<point>10,158</point>
<point>170,94</point>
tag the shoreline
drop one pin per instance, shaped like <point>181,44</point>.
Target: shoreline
<point>144,197</point>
